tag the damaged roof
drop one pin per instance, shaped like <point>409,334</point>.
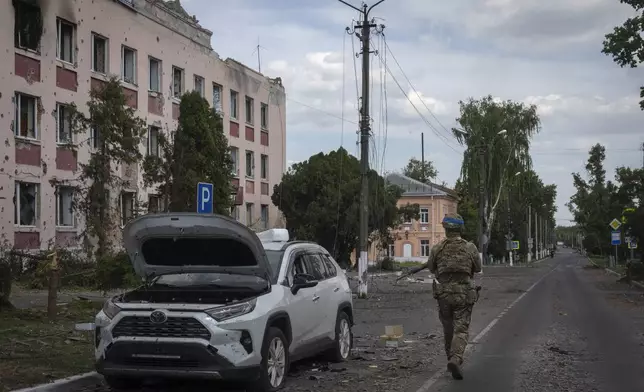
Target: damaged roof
<point>413,187</point>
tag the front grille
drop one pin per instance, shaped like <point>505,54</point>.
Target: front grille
<point>160,363</point>
<point>174,327</point>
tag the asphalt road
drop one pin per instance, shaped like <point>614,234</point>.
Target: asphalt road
<point>574,330</point>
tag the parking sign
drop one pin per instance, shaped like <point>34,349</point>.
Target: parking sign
<point>204,198</point>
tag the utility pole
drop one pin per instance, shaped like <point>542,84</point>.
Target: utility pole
<point>482,182</point>
<point>362,30</point>
<point>529,233</point>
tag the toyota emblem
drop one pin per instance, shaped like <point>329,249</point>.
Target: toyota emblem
<point>158,317</point>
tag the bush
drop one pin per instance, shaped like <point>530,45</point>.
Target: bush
<point>76,270</point>
<point>114,271</point>
<point>387,264</point>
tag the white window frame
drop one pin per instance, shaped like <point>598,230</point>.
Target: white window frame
<point>106,55</point>
<point>63,106</point>
<point>424,213</point>
<point>217,101</point>
<point>234,155</point>
<point>249,113</point>
<point>183,82</point>
<point>72,50</point>
<point>234,104</point>
<point>17,204</point>
<point>263,113</point>
<point>149,141</point>
<point>93,137</point>
<point>125,48</point>
<point>59,200</point>
<point>264,220</point>
<point>200,85</point>
<point>249,213</point>
<point>18,106</point>
<point>250,162</point>
<point>425,248</point>
<point>159,74</point>
<point>392,250</point>
<point>263,169</point>
<point>122,205</point>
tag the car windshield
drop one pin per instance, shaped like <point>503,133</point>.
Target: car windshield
<point>275,260</point>
<point>186,280</point>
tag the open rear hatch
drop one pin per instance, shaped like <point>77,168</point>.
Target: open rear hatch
<point>160,244</point>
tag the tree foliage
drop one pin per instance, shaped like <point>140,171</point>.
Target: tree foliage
<point>420,171</point>
<point>200,154</point>
<point>157,169</point>
<point>320,200</point>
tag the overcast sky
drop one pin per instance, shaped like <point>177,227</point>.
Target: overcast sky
<point>546,52</point>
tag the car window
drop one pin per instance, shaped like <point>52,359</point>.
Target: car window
<point>298,267</point>
<point>275,260</point>
<point>330,267</point>
<point>317,266</point>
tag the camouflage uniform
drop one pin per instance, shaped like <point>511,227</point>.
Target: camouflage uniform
<point>453,262</point>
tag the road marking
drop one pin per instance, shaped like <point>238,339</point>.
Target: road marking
<point>432,380</point>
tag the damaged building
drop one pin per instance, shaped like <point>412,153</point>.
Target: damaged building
<point>63,48</point>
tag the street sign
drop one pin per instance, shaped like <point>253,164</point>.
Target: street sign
<point>204,198</point>
<point>515,245</point>
<point>632,244</point>
<point>616,238</point>
<point>615,224</point>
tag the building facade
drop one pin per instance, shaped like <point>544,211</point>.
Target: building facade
<point>58,50</point>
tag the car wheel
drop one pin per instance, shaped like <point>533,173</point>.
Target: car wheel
<point>275,362</point>
<point>122,383</point>
<point>343,339</point>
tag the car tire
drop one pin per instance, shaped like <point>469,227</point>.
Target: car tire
<point>122,383</point>
<point>343,343</point>
<point>275,357</point>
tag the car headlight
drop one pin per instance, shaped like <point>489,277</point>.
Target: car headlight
<point>227,312</point>
<point>110,309</point>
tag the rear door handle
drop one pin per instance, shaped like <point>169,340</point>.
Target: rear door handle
<point>315,298</point>
<point>335,290</point>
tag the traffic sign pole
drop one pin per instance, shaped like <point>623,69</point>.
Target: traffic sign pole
<point>616,237</point>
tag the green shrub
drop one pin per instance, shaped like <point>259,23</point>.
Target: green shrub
<point>76,270</point>
<point>388,264</point>
<point>114,271</point>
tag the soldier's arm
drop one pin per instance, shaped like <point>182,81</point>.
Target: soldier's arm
<point>431,262</point>
<point>476,258</point>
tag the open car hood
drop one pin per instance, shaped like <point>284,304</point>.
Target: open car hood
<point>160,244</point>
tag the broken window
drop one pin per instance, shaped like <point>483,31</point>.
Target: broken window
<point>249,214</point>
<point>128,207</point>
<point>153,141</point>
<point>154,204</point>
<point>200,85</point>
<point>128,64</point>
<point>250,106</point>
<point>216,98</point>
<point>65,44</point>
<point>233,104</point>
<point>177,82</point>
<point>264,166</point>
<point>155,74</point>
<point>28,25</point>
<point>99,53</point>
<point>250,164</point>
<point>25,124</point>
<point>65,206</point>
<point>264,216</point>
<point>26,203</point>
<point>264,116</point>
<point>63,124</point>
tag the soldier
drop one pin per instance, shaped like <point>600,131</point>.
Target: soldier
<point>453,262</point>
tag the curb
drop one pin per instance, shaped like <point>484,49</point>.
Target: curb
<point>63,384</point>
<point>610,271</point>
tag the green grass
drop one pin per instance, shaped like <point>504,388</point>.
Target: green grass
<point>36,350</point>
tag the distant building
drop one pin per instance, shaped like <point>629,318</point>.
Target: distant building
<point>159,52</point>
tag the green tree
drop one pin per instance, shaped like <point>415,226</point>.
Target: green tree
<point>201,154</point>
<point>419,171</point>
<point>626,43</point>
<point>119,133</point>
<point>320,199</point>
<point>157,169</point>
<point>497,138</point>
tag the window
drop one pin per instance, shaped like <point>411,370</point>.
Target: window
<point>65,206</point>
<point>200,85</point>
<point>216,98</point>
<point>392,250</point>
<point>264,166</point>
<point>99,53</point>
<point>153,141</point>
<point>234,155</point>
<point>26,203</point>
<point>128,207</point>
<point>155,204</point>
<point>424,248</point>
<point>93,137</point>
<point>264,216</point>
<point>63,124</point>
<point>233,104</point>
<point>264,115</point>
<point>250,164</point>
<point>330,267</point>
<point>177,82</point>
<point>66,41</point>
<point>317,268</point>
<point>424,215</point>
<point>128,65</point>
<point>250,106</point>
<point>249,214</point>
<point>28,26</point>
<point>235,213</point>
<point>155,74</point>
<point>25,124</point>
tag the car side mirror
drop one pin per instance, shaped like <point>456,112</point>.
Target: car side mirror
<point>303,281</point>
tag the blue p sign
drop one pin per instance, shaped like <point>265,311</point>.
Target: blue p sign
<point>204,198</point>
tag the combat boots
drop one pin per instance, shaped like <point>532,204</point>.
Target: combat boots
<point>454,366</point>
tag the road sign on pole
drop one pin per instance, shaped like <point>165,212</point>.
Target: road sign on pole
<point>204,198</point>
<point>515,245</point>
<point>615,224</point>
<point>616,238</point>
<point>632,244</point>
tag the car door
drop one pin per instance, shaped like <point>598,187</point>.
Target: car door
<point>304,306</point>
<point>324,293</point>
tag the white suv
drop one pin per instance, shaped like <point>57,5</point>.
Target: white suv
<point>221,303</point>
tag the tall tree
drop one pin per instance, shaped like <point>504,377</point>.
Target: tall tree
<point>420,171</point>
<point>626,43</point>
<point>201,154</point>
<point>157,169</point>
<point>497,138</point>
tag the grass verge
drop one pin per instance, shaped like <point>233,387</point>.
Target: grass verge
<point>35,350</point>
